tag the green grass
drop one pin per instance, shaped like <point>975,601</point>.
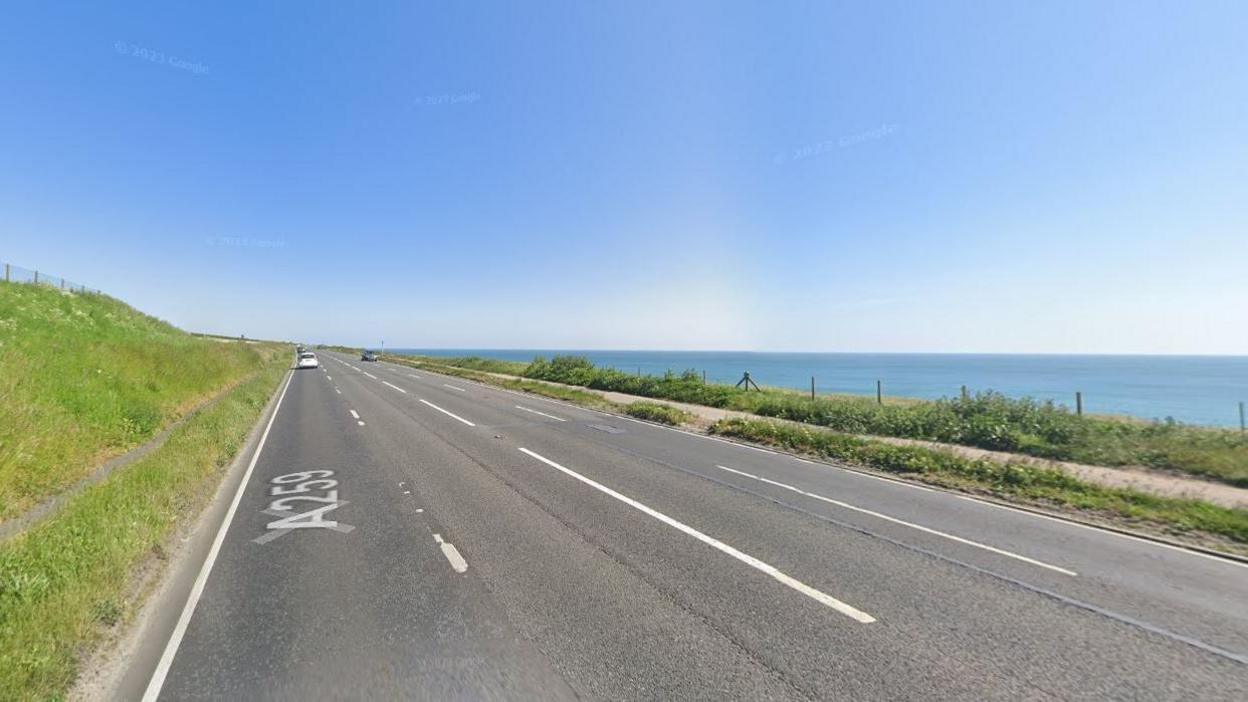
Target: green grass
<point>986,420</point>
<point>658,413</point>
<point>63,582</point>
<point>1017,481</point>
<point>86,377</point>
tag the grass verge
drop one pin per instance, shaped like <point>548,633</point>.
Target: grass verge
<point>1014,481</point>
<point>63,582</point>
<point>658,413</point>
<point>986,420</point>
<point>87,377</point>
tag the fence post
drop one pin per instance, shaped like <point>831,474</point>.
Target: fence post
<point>812,387</point>
<point>36,277</point>
<point>1241,417</point>
<point>964,397</point>
<point>6,272</point>
<point>879,392</point>
<point>704,376</point>
<point>1079,403</point>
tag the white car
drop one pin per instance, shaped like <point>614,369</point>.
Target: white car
<point>307,359</point>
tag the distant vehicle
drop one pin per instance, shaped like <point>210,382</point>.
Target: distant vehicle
<point>307,359</point>
<point>368,356</point>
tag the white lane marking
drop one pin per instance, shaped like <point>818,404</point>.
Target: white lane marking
<point>337,390</point>
<point>550,416</point>
<point>787,580</point>
<point>453,387</point>
<point>452,554</point>
<point>361,423</point>
<point>413,376</point>
<point>197,590</point>
<point>353,367</point>
<point>396,387</point>
<point>370,375</point>
<point>329,377</point>
<point>894,520</point>
<point>354,414</point>
<point>449,414</point>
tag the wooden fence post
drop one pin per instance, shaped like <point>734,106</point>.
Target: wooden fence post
<point>879,392</point>
<point>1079,403</point>
<point>812,387</point>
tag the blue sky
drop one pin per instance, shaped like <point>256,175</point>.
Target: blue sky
<point>987,176</point>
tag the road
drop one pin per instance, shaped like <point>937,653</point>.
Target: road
<point>403,534</point>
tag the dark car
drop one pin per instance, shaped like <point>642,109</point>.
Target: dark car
<point>368,356</point>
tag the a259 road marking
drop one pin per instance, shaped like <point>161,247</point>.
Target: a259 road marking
<point>297,487</point>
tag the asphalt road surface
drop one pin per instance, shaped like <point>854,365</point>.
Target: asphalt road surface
<point>403,534</point>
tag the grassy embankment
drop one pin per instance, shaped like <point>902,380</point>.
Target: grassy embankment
<point>1013,481</point>
<point>98,377</point>
<point>85,377</point>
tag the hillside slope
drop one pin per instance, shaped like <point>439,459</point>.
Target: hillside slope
<point>86,377</point>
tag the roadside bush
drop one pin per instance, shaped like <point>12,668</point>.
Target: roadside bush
<point>658,413</point>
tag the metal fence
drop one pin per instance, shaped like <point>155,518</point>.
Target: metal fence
<point>18,274</point>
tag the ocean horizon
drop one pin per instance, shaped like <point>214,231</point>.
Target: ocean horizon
<point>1204,390</point>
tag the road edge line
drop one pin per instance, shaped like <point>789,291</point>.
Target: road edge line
<point>157,680</point>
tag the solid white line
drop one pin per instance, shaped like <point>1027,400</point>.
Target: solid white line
<point>396,387</point>
<point>821,597</point>
<point>551,416</point>
<point>894,520</point>
<point>354,414</point>
<point>453,387</point>
<point>449,414</point>
<point>370,375</point>
<point>179,630</point>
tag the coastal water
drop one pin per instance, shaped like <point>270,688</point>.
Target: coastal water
<point>1192,389</point>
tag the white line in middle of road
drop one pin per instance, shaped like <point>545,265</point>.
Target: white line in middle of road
<point>894,520</point>
<point>789,581</point>
<point>449,414</point>
<point>453,387</point>
<point>396,387</point>
<point>550,416</point>
<point>354,414</point>
<point>452,554</point>
<point>370,375</point>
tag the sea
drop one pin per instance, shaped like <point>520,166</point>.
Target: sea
<point>1205,390</point>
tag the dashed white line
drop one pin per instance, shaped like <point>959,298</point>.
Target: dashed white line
<point>885,517</point>
<point>337,390</point>
<point>785,579</point>
<point>396,387</point>
<point>329,377</point>
<point>355,414</point>
<point>453,387</point>
<point>449,414</point>
<point>413,376</point>
<point>550,416</point>
<point>370,375</point>
<point>452,554</point>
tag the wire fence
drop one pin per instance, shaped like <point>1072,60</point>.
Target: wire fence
<point>30,276</point>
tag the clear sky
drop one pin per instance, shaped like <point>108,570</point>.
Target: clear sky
<point>911,176</point>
